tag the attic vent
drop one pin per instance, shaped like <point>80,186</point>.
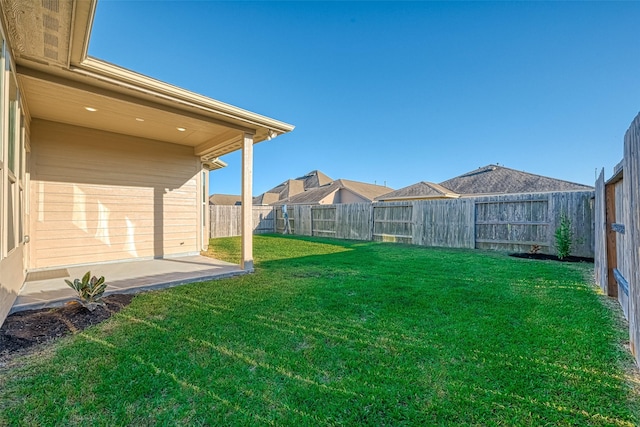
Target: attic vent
<point>52,5</point>
<point>50,23</point>
<point>51,54</point>
<point>50,39</point>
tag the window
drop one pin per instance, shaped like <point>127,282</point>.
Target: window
<point>12,168</point>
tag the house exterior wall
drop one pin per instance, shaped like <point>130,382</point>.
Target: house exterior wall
<point>14,127</point>
<point>99,197</point>
<point>346,196</point>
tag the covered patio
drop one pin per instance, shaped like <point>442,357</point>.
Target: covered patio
<point>47,288</point>
<point>103,167</point>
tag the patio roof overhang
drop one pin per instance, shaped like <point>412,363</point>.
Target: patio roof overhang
<point>54,70</point>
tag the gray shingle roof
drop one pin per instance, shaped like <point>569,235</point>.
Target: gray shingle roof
<point>421,190</point>
<point>291,187</point>
<point>314,179</point>
<point>494,179</point>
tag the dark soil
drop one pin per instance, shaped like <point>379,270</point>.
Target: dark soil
<point>25,329</point>
<point>569,258</point>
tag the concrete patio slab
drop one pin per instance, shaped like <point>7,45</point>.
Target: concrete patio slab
<point>121,277</point>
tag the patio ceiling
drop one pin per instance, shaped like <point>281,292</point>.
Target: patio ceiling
<point>66,101</point>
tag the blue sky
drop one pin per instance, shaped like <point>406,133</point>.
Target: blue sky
<point>398,92</point>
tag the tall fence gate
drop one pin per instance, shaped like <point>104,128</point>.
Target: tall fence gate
<point>618,233</point>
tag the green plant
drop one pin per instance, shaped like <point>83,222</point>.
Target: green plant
<point>563,235</point>
<point>89,289</point>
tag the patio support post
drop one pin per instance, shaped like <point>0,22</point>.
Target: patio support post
<point>246,262</point>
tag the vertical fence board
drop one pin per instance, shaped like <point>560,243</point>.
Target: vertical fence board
<point>631,190</point>
<point>600,237</point>
<point>622,245</point>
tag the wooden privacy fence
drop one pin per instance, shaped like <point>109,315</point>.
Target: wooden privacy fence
<point>225,220</point>
<point>617,233</point>
<point>514,223</point>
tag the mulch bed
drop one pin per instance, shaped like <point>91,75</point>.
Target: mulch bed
<point>569,258</point>
<point>25,329</point>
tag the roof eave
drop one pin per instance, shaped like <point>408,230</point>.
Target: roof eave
<point>104,70</point>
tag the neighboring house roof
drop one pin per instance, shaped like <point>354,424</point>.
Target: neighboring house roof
<point>317,195</point>
<point>266,199</point>
<point>494,179</point>
<point>421,190</point>
<point>314,179</point>
<point>366,190</point>
<point>291,187</point>
<point>121,100</point>
<point>225,199</point>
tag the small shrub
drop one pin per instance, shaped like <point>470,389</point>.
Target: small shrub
<point>535,249</point>
<point>89,289</point>
<point>563,235</point>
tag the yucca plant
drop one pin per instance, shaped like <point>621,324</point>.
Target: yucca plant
<point>89,289</point>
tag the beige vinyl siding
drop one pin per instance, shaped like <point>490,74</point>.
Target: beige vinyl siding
<point>99,196</point>
<point>12,274</point>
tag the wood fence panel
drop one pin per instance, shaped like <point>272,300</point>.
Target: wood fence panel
<point>631,190</point>
<point>578,206</point>
<point>514,222</point>
<point>444,223</point>
<point>392,222</point>
<point>225,221</point>
<point>302,214</point>
<point>353,221</point>
<point>600,235</point>
<point>324,221</point>
<point>264,219</point>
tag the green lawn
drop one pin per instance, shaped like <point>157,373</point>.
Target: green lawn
<point>331,332</point>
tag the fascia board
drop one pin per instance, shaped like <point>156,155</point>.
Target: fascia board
<point>80,34</point>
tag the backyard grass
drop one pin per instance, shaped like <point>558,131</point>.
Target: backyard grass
<point>331,332</point>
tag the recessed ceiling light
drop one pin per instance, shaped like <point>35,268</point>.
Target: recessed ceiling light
<point>181,129</point>
<point>138,119</point>
<point>90,109</point>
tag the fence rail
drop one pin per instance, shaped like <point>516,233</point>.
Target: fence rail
<point>514,223</point>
